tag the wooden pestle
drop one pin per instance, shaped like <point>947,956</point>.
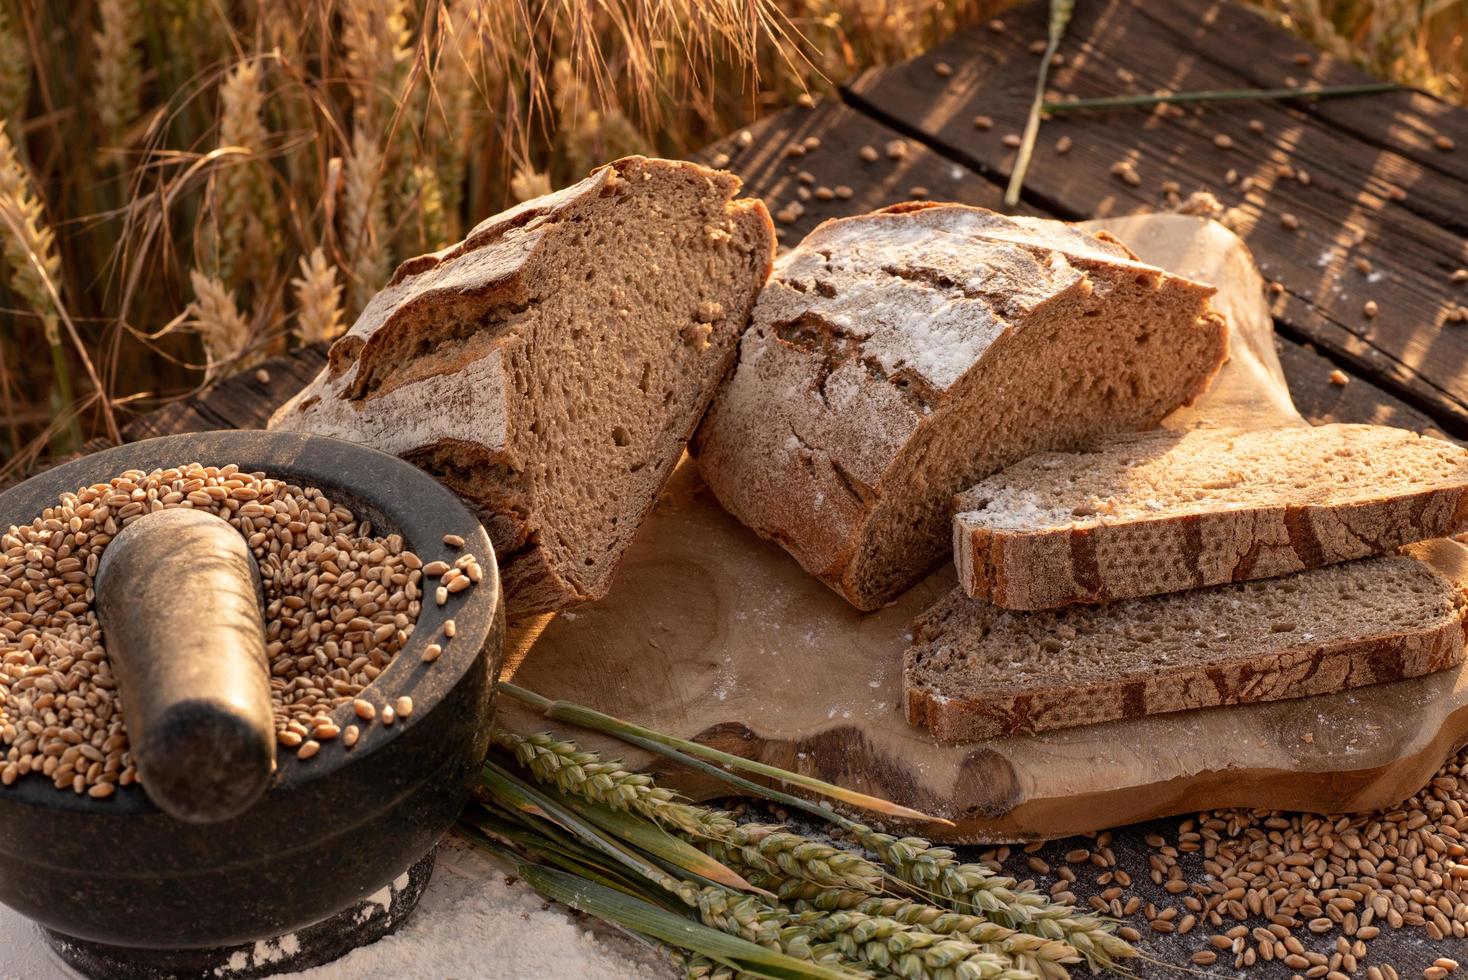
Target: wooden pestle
<point>179,601</point>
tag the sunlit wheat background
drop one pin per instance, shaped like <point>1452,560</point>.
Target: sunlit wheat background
<point>188,186</point>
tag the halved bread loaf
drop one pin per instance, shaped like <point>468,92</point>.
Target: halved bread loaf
<point>1167,511</point>
<point>976,671</point>
<point>897,357</point>
<point>551,366</point>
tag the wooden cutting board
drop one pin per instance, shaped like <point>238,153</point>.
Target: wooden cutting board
<point>711,633</point>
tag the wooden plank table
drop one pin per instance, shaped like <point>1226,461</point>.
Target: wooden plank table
<point>1363,177</point>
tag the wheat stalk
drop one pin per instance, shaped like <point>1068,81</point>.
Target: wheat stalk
<point>119,70</point>
<point>221,327</point>
<point>318,300</point>
<point>775,850</point>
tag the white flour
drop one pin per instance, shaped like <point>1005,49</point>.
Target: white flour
<point>470,924</point>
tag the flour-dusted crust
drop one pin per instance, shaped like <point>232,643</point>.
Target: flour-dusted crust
<point>1169,511</point>
<point>896,357</point>
<point>975,671</point>
<point>551,366</point>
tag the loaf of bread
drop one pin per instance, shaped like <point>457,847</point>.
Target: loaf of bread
<point>976,671</point>
<point>1167,511</point>
<point>551,367</point>
<point>897,357</point>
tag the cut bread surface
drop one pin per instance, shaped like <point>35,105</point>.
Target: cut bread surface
<point>897,357</point>
<point>551,367</point>
<point>975,671</point>
<point>1165,511</point>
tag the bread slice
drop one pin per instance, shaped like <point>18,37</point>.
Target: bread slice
<point>1167,511</point>
<point>551,366</point>
<point>976,671</point>
<point>895,358</point>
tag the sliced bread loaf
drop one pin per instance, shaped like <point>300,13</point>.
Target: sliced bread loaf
<point>895,358</point>
<point>551,366</point>
<point>976,671</point>
<point>1167,511</point>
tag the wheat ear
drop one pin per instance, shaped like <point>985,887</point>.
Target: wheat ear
<point>119,69</point>
<point>364,215</point>
<point>28,236</point>
<point>244,208</point>
<point>572,770</point>
<point>973,889</point>
<point>318,299</point>
<point>221,327</point>
<point>15,71</point>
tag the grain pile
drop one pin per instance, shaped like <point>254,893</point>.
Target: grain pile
<point>340,603</point>
<point>1299,895</point>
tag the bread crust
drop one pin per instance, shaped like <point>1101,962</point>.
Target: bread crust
<point>807,437</point>
<point>453,408</point>
<point>1294,673</point>
<point>1051,567</point>
<point>1298,670</point>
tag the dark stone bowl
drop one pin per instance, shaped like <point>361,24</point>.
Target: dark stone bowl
<point>331,830</point>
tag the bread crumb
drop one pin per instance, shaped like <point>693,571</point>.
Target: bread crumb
<point>1308,737</point>
<point>868,153</point>
<point>1339,378</point>
<point>1062,145</point>
<point>983,122</point>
